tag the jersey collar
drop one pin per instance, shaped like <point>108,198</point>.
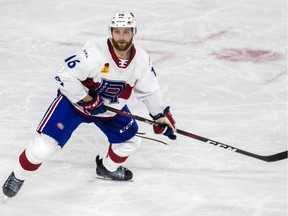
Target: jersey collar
<point>119,62</point>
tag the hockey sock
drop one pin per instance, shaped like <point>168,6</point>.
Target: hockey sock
<point>112,160</point>
<point>24,167</point>
<point>118,153</point>
<point>41,148</point>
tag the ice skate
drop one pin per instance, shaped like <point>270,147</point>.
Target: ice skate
<point>121,174</point>
<point>12,186</point>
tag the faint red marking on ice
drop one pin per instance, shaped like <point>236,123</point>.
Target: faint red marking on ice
<point>163,56</point>
<point>245,55</point>
<point>166,55</point>
<point>275,78</point>
<point>180,42</point>
<point>210,37</point>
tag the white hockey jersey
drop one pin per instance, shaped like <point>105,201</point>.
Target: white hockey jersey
<point>97,67</point>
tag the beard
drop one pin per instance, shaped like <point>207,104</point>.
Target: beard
<point>122,45</point>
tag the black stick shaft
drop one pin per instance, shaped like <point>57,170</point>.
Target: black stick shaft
<point>268,158</point>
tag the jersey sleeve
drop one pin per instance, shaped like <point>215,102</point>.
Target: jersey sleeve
<point>147,88</point>
<point>72,71</point>
<point>69,85</point>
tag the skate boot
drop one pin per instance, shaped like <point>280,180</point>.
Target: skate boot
<point>12,186</point>
<point>121,174</point>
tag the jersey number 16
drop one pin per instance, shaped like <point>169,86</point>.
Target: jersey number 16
<point>71,63</point>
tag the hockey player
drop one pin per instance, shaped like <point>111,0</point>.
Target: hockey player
<point>103,73</point>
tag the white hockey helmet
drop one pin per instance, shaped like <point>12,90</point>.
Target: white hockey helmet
<point>123,19</point>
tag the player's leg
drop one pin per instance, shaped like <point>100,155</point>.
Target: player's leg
<point>29,161</point>
<point>121,134</point>
<point>111,165</point>
<point>54,130</point>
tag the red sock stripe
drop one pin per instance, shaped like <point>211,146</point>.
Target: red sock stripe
<point>114,157</point>
<point>26,164</point>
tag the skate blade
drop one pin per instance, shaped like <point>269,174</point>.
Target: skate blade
<point>108,179</point>
<point>4,199</point>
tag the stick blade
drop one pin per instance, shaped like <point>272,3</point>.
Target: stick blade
<point>276,157</point>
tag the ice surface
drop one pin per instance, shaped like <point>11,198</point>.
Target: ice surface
<point>222,66</point>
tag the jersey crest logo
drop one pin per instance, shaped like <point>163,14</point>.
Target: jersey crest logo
<point>105,69</point>
<point>111,90</point>
<point>123,63</point>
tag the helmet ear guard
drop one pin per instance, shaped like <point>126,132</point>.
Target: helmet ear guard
<point>123,19</point>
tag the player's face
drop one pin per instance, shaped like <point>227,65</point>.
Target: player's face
<point>122,38</point>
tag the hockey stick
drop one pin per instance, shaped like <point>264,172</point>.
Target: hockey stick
<point>268,158</point>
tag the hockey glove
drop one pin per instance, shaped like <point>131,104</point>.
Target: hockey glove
<point>167,125</point>
<point>93,107</point>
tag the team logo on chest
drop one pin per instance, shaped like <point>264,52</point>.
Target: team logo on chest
<point>111,89</point>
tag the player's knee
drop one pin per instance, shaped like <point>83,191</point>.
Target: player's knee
<point>127,147</point>
<point>135,143</point>
<point>41,148</point>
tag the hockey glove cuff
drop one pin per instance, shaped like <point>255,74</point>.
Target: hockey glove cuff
<point>93,107</point>
<point>167,125</point>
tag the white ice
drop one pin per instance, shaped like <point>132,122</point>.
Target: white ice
<point>240,103</point>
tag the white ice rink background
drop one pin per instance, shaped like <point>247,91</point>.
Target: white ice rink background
<point>222,65</point>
